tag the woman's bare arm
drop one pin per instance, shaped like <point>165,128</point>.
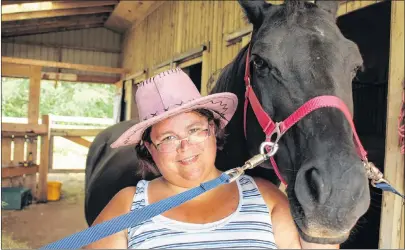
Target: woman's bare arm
<point>119,204</point>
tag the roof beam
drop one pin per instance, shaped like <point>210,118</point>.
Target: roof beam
<point>53,64</point>
<point>120,20</point>
<point>71,21</point>
<point>6,2</point>
<point>59,45</point>
<point>50,30</point>
<point>79,78</point>
<point>49,5</point>
<point>54,13</point>
<point>38,28</point>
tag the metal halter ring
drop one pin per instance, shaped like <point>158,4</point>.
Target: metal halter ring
<point>273,148</point>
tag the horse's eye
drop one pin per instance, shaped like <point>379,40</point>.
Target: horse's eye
<point>259,63</point>
<point>356,70</point>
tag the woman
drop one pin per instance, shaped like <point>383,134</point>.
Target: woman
<point>177,138</point>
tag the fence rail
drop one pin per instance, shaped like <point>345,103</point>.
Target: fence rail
<point>55,119</point>
<point>72,128</point>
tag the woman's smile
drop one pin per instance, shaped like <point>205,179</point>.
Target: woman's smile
<point>188,160</point>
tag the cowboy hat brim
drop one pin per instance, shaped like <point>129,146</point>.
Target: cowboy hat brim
<point>223,104</point>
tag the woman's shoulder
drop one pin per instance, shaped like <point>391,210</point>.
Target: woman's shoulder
<point>118,205</point>
<point>271,194</point>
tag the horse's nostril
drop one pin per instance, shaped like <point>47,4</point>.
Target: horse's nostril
<point>316,185</point>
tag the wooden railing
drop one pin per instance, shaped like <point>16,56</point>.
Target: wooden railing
<point>74,129</point>
<point>20,143</point>
<point>20,165</point>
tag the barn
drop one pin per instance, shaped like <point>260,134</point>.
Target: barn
<point>125,42</point>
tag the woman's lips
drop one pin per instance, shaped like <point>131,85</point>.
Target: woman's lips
<point>188,160</point>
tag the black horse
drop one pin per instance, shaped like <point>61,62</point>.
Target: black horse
<point>297,53</point>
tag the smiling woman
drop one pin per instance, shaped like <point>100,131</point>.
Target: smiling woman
<point>177,141</point>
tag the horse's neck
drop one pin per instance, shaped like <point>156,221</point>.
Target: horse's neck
<point>235,151</point>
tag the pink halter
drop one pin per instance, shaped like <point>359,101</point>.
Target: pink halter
<point>270,127</point>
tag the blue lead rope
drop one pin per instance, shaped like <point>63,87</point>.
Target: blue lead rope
<point>117,224</point>
<point>387,187</point>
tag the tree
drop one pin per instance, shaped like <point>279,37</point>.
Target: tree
<point>67,99</point>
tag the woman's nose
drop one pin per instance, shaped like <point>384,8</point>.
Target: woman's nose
<point>184,144</point>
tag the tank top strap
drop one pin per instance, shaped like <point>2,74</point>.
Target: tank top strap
<point>139,199</point>
<point>252,200</point>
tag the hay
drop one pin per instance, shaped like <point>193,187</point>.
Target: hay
<point>7,242</point>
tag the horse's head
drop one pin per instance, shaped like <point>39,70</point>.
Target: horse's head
<point>298,53</point>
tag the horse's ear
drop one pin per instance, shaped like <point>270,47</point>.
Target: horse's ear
<point>254,10</point>
<point>330,6</point>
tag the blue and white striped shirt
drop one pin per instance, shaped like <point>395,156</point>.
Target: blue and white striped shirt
<point>248,227</point>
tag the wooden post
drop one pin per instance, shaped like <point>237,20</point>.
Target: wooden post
<point>205,73</point>
<point>19,156</point>
<point>33,116</point>
<point>50,153</point>
<point>402,241</point>
<point>392,208</point>
<point>35,91</point>
<point>5,159</point>
<point>180,26</point>
<point>43,167</point>
<point>128,99</point>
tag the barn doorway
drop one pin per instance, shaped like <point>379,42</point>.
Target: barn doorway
<point>369,28</point>
<point>194,72</point>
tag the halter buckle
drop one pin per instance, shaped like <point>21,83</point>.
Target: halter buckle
<point>276,131</point>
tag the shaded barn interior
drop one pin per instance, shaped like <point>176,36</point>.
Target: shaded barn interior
<point>194,72</point>
<point>370,29</point>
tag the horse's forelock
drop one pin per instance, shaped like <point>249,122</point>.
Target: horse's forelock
<point>292,6</point>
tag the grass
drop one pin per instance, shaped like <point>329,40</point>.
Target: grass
<point>7,242</point>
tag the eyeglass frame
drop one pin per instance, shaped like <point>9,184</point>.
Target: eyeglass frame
<point>178,141</point>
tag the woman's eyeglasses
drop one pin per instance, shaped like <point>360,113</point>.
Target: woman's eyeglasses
<point>196,137</point>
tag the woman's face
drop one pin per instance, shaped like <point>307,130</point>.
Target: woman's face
<point>188,164</point>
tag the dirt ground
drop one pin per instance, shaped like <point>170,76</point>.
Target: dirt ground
<point>40,224</point>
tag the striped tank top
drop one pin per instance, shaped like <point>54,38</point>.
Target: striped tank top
<point>248,227</point>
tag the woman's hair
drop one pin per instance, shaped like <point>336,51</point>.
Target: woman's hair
<point>147,165</point>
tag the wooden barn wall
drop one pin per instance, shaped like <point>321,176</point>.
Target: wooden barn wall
<point>95,46</point>
<point>180,26</point>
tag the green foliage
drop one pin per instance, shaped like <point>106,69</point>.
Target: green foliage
<point>14,101</point>
<point>66,99</point>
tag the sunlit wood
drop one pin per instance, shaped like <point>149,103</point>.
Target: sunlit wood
<point>41,6</point>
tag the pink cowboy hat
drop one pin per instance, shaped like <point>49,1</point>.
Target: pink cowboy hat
<point>170,93</point>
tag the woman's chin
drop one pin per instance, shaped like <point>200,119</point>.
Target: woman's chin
<point>192,174</point>
<point>195,175</point>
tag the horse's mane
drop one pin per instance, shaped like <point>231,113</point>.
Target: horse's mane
<point>230,74</point>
